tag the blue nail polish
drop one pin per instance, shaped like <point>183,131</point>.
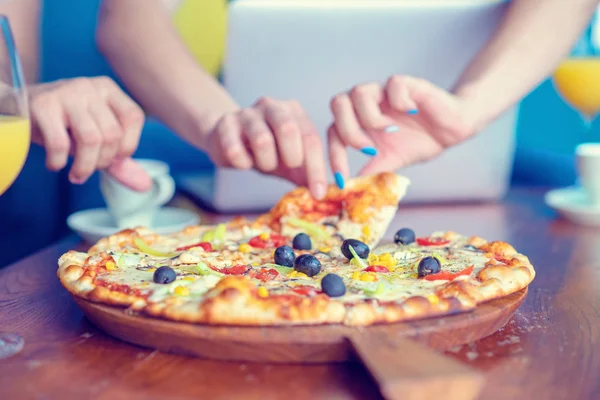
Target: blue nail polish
<point>413,111</point>
<point>370,151</point>
<point>392,129</point>
<point>339,180</point>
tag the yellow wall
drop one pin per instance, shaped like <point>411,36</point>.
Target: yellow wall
<point>202,25</point>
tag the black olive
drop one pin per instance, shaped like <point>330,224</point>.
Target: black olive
<point>428,266</point>
<point>284,256</point>
<point>302,242</point>
<point>404,236</point>
<point>361,249</point>
<point>307,264</point>
<point>164,275</point>
<point>333,286</point>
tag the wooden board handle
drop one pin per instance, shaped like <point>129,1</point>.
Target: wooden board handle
<point>404,369</point>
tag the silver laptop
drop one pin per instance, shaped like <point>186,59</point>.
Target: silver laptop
<point>310,50</point>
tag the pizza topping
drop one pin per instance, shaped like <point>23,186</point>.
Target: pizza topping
<point>307,264</point>
<point>313,230</point>
<point>470,247</point>
<point>267,274</point>
<point>427,266</point>
<point>203,269</point>
<point>265,240</point>
<point>181,291</point>
<point>377,268</point>
<point>333,285</point>
<point>215,236</point>
<point>353,248</point>
<point>384,260</point>
<point>206,246</point>
<point>375,292</point>
<point>364,276</point>
<point>296,274</point>
<point>305,290</point>
<point>164,275</point>
<point>404,236</point>
<point>262,292</point>
<point>432,241</point>
<point>302,242</point>
<point>126,260</point>
<point>448,276</point>
<point>235,270</point>
<point>144,248</point>
<point>284,256</point>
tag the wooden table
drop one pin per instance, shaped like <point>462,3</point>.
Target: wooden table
<point>550,349</point>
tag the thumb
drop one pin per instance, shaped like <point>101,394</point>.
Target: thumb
<point>130,174</point>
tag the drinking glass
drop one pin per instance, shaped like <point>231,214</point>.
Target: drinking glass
<point>14,138</point>
<point>577,78</point>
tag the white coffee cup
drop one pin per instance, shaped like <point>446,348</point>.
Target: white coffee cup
<point>588,168</point>
<point>130,208</point>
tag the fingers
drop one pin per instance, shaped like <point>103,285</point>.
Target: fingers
<point>260,139</point>
<point>130,174</point>
<point>314,157</point>
<point>48,115</point>
<point>285,125</point>
<point>88,140</point>
<point>338,157</point>
<point>130,117</point>
<point>110,130</point>
<point>366,100</point>
<point>398,92</point>
<point>230,149</point>
<point>347,124</point>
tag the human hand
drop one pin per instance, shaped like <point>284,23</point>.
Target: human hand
<point>275,137</point>
<point>408,120</point>
<point>92,120</point>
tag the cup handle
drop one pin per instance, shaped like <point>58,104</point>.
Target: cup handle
<point>165,186</point>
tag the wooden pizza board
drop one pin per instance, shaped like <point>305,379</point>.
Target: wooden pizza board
<point>398,356</point>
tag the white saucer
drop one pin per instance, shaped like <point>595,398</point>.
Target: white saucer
<point>572,203</point>
<point>92,225</point>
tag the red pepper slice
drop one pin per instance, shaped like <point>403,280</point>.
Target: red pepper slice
<point>448,276</point>
<point>235,270</point>
<point>267,275</point>
<point>274,240</point>
<point>432,241</point>
<point>305,290</point>
<point>205,245</point>
<point>376,268</point>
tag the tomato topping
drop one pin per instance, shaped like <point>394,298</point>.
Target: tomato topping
<point>448,276</point>
<point>235,270</point>
<point>267,275</point>
<point>377,268</point>
<point>432,241</point>
<point>206,246</point>
<point>305,290</point>
<point>274,240</point>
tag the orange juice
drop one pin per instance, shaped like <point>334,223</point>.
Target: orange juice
<point>14,146</point>
<point>578,81</point>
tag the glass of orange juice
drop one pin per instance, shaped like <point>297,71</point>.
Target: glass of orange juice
<point>577,78</point>
<point>14,137</point>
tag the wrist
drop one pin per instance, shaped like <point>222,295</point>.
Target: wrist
<point>476,111</point>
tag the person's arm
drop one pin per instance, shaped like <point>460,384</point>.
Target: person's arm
<point>521,54</point>
<point>141,44</point>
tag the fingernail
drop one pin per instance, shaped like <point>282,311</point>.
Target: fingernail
<point>413,111</point>
<point>339,180</point>
<point>392,129</point>
<point>370,151</point>
<point>75,181</point>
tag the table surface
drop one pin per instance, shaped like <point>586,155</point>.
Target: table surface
<point>550,349</point>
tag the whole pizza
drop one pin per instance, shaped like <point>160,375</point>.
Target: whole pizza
<point>303,262</point>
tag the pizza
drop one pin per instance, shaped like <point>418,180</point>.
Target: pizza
<point>303,262</point>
